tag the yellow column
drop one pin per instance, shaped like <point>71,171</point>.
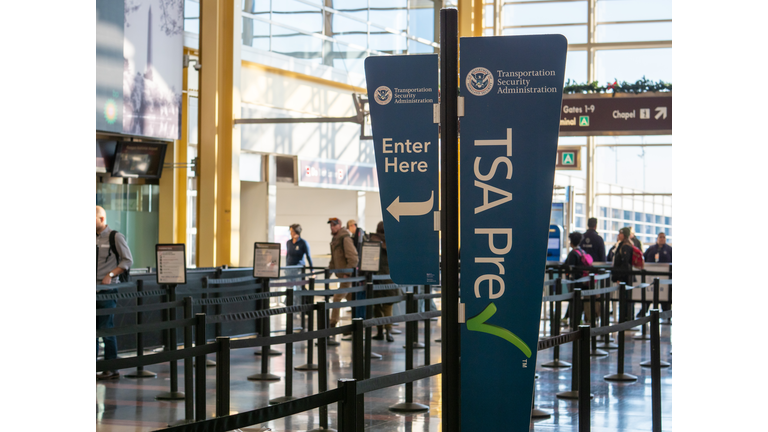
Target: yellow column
<point>470,18</point>
<point>167,205</point>
<point>218,154</point>
<point>208,138</point>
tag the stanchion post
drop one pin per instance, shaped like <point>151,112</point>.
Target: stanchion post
<point>595,352</point>
<point>449,156</point>
<point>170,345</point>
<point>140,371</point>
<point>358,366</point>
<point>577,354</point>
<point>410,329</point>
<point>200,369</point>
<point>289,301</point>
<point>222,376</point>
<point>189,400</point>
<point>322,361</point>
<point>349,418</point>
<point>655,371</point>
<point>656,293</point>
<point>309,366</point>
<point>584,380</point>
<point>427,331</point>
<point>368,331</point>
<point>623,312</point>
<point>556,362</point>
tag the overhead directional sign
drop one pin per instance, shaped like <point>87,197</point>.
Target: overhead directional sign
<point>568,158</point>
<point>622,114</point>
<point>402,93</point>
<point>512,88</point>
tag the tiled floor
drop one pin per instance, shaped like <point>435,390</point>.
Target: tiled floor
<point>130,405</point>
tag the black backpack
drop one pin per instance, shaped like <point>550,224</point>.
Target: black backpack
<point>126,275</point>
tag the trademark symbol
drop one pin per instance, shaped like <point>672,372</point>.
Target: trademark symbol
<point>525,363</point>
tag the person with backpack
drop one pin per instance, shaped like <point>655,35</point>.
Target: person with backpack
<point>343,256</point>
<point>113,265</point>
<point>577,257</point>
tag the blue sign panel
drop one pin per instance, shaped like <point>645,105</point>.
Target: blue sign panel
<point>402,92</point>
<point>512,88</point>
<point>555,245</point>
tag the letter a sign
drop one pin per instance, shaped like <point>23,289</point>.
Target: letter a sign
<point>512,88</point>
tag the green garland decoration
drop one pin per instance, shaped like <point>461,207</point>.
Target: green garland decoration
<point>640,86</point>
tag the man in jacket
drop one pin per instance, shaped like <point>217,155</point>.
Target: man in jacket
<point>343,256</point>
<point>661,252</point>
<point>592,243</point>
<point>109,264</point>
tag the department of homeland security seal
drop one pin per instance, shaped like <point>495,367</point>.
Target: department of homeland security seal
<point>383,95</point>
<point>479,81</point>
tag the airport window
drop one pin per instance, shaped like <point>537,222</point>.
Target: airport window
<point>604,211</point>
<point>616,213</point>
<point>667,220</point>
<point>579,208</point>
<point>648,218</point>
<point>580,222</point>
<point>639,229</point>
<point>638,217</point>
<point>615,226</point>
<point>627,215</point>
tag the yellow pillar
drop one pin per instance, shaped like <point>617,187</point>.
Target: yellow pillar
<point>167,205</point>
<point>470,18</point>
<point>216,182</point>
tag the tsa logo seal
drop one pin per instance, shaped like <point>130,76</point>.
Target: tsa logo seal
<point>479,81</point>
<point>383,95</point>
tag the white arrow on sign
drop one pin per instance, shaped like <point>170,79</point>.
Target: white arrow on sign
<point>661,112</point>
<point>398,208</point>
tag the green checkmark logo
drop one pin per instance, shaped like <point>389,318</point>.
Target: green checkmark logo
<point>478,324</point>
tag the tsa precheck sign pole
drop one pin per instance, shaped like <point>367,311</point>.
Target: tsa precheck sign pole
<point>512,87</point>
<point>402,96</point>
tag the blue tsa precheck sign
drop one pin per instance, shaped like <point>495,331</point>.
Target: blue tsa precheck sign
<point>512,88</point>
<point>402,94</point>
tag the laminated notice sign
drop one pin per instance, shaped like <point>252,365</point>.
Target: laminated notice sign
<point>512,88</point>
<point>266,260</point>
<point>171,264</point>
<point>371,255</point>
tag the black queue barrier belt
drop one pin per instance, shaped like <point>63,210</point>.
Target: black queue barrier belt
<point>145,328</point>
<point>551,342</point>
<point>259,314</point>
<point>399,378</point>
<point>401,318</point>
<point>230,281</point>
<point>559,297</point>
<point>143,308</point>
<point>642,285</point>
<point>340,280</point>
<point>261,415</point>
<point>598,291</point>
<point>599,331</point>
<point>291,338</point>
<point>426,296</point>
<point>384,287</point>
<point>285,284</point>
<point>161,357</point>
<point>366,302</point>
<point>237,299</point>
<point>130,295</point>
<point>598,277</point>
<point>330,292</point>
<point>217,290</point>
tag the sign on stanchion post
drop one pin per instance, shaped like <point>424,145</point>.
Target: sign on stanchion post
<point>511,88</point>
<point>266,265</point>
<point>171,271</point>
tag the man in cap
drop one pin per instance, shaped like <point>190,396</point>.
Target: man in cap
<point>343,256</point>
<point>357,234</point>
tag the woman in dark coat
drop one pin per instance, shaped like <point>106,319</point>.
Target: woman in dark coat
<point>622,258</point>
<point>382,310</point>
